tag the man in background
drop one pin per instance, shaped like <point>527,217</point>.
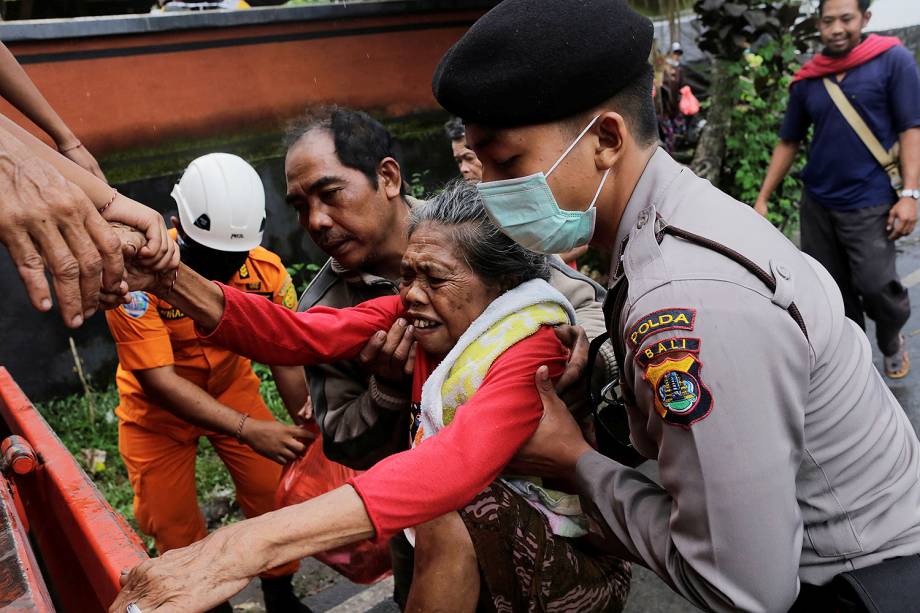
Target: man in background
<point>850,213</point>
<point>469,165</point>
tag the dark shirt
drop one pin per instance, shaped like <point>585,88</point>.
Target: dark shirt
<point>841,173</point>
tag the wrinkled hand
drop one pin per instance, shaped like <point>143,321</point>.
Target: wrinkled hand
<point>761,207</point>
<point>576,341</point>
<point>279,442</point>
<point>902,218</point>
<point>192,579</point>
<point>390,356</point>
<point>47,221</point>
<point>556,446</point>
<point>83,158</point>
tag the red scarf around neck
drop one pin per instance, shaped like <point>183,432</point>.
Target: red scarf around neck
<point>822,65</point>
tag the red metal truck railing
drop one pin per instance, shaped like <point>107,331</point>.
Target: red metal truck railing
<point>83,543</point>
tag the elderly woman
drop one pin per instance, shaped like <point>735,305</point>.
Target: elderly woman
<point>483,316</point>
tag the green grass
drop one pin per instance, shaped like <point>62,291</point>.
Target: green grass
<point>70,419</point>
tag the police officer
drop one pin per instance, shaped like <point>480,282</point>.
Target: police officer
<point>783,457</point>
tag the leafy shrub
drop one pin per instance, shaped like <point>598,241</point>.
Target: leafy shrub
<point>761,91</point>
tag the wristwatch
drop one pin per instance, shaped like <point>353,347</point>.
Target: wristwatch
<point>910,193</point>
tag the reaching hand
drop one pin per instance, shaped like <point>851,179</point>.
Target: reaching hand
<point>576,341</point>
<point>761,207</point>
<point>555,447</point>
<point>83,158</point>
<point>45,221</point>
<point>187,580</point>
<point>277,441</point>
<point>390,356</point>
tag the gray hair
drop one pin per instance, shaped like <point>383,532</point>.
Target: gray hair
<point>497,259</point>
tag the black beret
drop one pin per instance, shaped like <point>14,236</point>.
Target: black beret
<point>533,61</point>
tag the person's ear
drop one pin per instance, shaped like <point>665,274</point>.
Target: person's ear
<point>866,17</point>
<point>390,177</point>
<point>611,139</point>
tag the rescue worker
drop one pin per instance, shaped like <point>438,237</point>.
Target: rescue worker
<point>175,388</point>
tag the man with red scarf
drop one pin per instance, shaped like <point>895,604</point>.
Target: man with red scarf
<point>850,213</point>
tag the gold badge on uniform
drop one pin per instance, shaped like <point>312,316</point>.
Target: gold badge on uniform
<point>680,396</point>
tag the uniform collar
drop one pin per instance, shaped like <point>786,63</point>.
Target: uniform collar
<point>659,172</point>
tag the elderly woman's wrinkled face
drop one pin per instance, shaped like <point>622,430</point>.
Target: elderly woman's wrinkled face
<point>441,293</point>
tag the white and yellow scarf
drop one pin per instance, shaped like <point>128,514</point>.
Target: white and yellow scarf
<point>515,315</point>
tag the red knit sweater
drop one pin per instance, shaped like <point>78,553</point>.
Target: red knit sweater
<point>444,472</point>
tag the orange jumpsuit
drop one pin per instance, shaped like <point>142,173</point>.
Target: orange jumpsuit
<point>158,447</point>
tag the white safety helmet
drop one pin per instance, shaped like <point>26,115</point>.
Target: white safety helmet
<point>221,202</point>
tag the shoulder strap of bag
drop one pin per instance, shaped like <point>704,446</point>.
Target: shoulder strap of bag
<point>887,159</point>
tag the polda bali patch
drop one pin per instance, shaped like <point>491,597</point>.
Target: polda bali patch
<point>657,349</point>
<point>660,321</point>
<point>681,399</point>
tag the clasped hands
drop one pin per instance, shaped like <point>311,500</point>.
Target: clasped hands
<point>47,222</point>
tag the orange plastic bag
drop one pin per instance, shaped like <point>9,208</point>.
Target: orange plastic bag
<point>313,474</point>
<point>688,104</point>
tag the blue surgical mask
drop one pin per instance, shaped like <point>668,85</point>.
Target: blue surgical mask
<point>525,209</point>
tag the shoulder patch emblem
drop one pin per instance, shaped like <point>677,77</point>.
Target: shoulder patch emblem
<point>659,321</point>
<point>677,344</point>
<point>680,396</point>
<point>244,272</point>
<point>138,305</point>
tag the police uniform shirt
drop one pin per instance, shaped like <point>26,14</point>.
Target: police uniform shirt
<point>781,457</point>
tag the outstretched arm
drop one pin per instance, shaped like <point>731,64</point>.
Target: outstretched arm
<point>251,326</point>
<point>20,91</point>
<point>201,576</point>
<point>160,252</point>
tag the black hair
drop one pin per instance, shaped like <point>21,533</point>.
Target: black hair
<point>863,5</point>
<point>634,102</point>
<point>455,129</point>
<point>361,142</point>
